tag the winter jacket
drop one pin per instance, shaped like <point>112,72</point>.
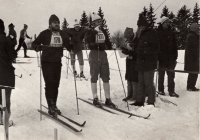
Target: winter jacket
<point>7,55</point>
<point>76,38</point>
<point>13,37</point>
<point>22,33</point>
<point>192,52</point>
<point>168,52</point>
<point>51,54</point>
<point>147,49</point>
<point>90,38</point>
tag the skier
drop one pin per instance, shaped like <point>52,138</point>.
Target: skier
<point>53,40</point>
<point>98,42</point>
<point>131,74</point>
<point>77,34</point>
<point>23,36</point>
<point>192,56</point>
<point>147,49</point>
<point>167,56</point>
<point>12,36</point>
<point>7,74</point>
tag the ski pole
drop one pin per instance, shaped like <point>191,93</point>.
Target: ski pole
<point>24,70</point>
<point>38,61</point>
<point>121,77</point>
<point>67,60</point>
<point>40,87</point>
<point>19,76</point>
<point>76,92</point>
<point>100,87</point>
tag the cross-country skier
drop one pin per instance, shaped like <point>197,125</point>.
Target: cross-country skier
<point>131,74</point>
<point>23,36</point>
<point>98,42</point>
<point>12,36</point>
<point>77,34</point>
<point>147,49</point>
<point>167,56</point>
<point>53,41</point>
<point>7,74</point>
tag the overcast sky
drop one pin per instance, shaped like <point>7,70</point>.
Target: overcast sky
<point>119,14</point>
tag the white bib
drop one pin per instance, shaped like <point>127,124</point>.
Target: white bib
<point>56,40</point>
<point>100,37</point>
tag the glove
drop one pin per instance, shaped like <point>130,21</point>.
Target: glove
<point>38,48</point>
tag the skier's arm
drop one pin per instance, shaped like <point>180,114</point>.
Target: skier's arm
<point>38,41</point>
<point>28,36</point>
<point>107,41</point>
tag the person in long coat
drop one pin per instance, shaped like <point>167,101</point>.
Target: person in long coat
<point>192,56</point>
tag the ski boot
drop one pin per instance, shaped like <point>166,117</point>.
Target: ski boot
<point>52,111</point>
<point>109,103</point>
<point>137,104</point>
<point>97,103</point>
<point>193,89</point>
<point>75,74</point>
<point>26,56</point>
<point>173,94</point>
<point>82,75</point>
<point>127,98</point>
<point>161,93</point>
<point>57,110</point>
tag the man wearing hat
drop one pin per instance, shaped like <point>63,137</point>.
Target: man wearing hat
<point>167,56</point>
<point>53,41</point>
<point>7,71</point>
<point>77,34</point>
<point>23,36</point>
<point>98,42</point>
<point>146,63</point>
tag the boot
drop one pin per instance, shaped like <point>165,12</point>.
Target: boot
<point>130,91</point>
<point>109,103</point>
<point>82,75</point>
<point>75,74</point>
<point>161,93</point>
<point>137,104</point>
<point>57,110</point>
<point>97,103</point>
<point>173,94</point>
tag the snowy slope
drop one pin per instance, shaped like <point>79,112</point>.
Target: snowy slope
<point>167,121</point>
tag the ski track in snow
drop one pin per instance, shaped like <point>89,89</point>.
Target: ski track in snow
<point>167,121</point>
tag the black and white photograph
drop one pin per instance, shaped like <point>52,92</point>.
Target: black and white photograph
<point>99,70</point>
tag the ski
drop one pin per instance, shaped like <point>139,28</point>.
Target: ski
<point>165,100</point>
<point>59,121</point>
<point>125,112</point>
<point>72,121</point>
<point>98,107</point>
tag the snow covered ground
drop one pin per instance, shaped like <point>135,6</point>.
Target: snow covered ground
<point>167,121</point>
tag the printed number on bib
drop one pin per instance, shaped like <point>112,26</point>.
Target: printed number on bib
<point>100,37</point>
<point>56,41</point>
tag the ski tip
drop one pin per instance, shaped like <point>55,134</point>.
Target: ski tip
<point>147,116</point>
<point>83,123</point>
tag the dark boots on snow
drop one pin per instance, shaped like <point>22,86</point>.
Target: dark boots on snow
<point>173,94</point>
<point>109,103</point>
<point>82,75</point>
<point>53,110</point>
<point>137,104</point>
<point>96,102</point>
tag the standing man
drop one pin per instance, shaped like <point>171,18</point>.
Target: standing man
<point>98,41</point>
<point>12,36</point>
<point>23,36</point>
<point>167,56</point>
<point>77,34</point>
<point>192,56</point>
<point>7,74</point>
<point>147,49</point>
<point>53,40</point>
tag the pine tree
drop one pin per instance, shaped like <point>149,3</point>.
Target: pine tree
<point>182,23</point>
<point>65,24</point>
<point>196,12</point>
<point>151,16</point>
<point>165,12</point>
<point>171,16</point>
<point>84,19</point>
<point>144,12</point>
<point>100,13</point>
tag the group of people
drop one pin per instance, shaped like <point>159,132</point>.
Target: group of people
<point>148,49</point>
<point>151,49</point>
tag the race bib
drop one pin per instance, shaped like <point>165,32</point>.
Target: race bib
<point>100,37</point>
<point>56,40</point>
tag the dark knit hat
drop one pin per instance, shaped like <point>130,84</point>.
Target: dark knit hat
<point>11,25</point>
<point>25,25</point>
<point>2,27</point>
<point>142,21</point>
<point>53,18</point>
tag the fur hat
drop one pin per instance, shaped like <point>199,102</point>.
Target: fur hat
<point>142,21</point>
<point>95,17</point>
<point>76,24</point>
<point>163,19</point>
<point>53,18</point>
<point>2,27</point>
<point>11,25</point>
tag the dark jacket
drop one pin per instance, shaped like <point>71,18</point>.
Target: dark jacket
<point>147,49</point>
<point>22,34</point>
<point>14,39</point>
<point>7,55</point>
<point>168,52</point>
<point>192,52</point>
<point>76,38</point>
<point>51,54</point>
<point>90,39</point>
